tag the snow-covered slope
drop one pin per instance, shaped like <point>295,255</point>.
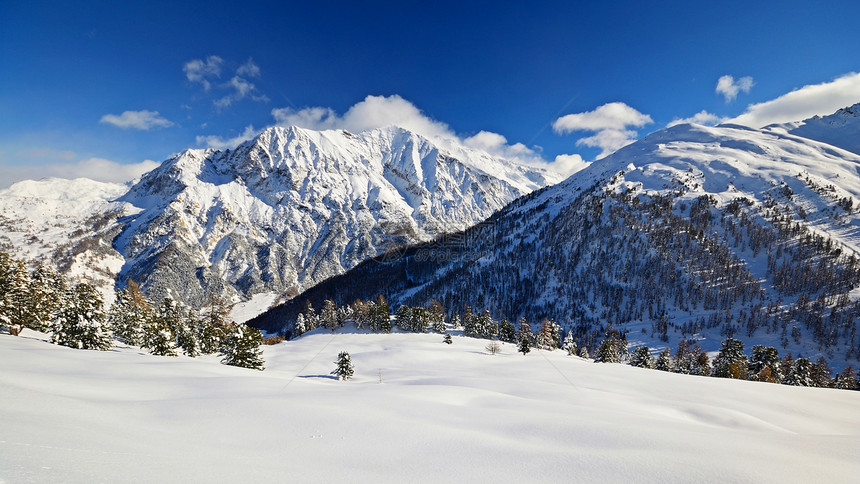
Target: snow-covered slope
<point>67,222</point>
<point>441,413</point>
<point>841,128</point>
<point>274,216</point>
<point>691,232</point>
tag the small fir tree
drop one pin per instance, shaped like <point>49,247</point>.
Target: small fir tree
<point>525,331</point>
<point>129,314</point>
<point>569,344</point>
<point>241,347</point>
<point>82,323</point>
<point>731,362</point>
<point>664,361</point>
<point>800,374</point>
<point>447,339</point>
<point>507,333</point>
<point>613,349</point>
<point>344,370</point>
<point>847,379</point>
<point>524,347</point>
<point>583,352</point>
<point>764,365</point>
<point>641,358</point>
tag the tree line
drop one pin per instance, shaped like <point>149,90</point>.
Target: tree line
<point>75,316</point>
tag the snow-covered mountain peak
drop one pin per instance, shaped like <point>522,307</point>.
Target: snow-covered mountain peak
<point>840,129</point>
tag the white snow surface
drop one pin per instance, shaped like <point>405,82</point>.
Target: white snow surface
<point>841,128</point>
<point>441,413</point>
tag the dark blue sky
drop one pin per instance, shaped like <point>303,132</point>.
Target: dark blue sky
<point>511,69</point>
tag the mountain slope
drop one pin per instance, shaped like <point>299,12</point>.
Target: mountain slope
<point>841,128</point>
<point>690,232</point>
<point>279,213</point>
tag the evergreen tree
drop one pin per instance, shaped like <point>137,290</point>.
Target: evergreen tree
<point>455,323</point>
<point>820,373</point>
<point>800,374</point>
<point>583,352</point>
<point>507,333</point>
<point>525,331</point>
<point>731,362</point>
<point>311,319</point>
<point>299,329</point>
<point>664,361</point>
<point>213,327</point>
<point>44,297</point>
<point>437,316</point>
<point>329,317</point>
<point>241,347</point>
<point>14,289</point>
<point>344,370</point>
<point>547,337</point>
<point>380,316</point>
<point>613,349</point>
<point>487,328</point>
<point>764,365</point>
<point>524,347</point>
<point>187,334</point>
<point>847,379</point>
<point>159,337</point>
<point>470,323</point>
<point>403,318</point>
<point>569,344</point>
<point>81,322</point>
<point>447,339</point>
<point>690,359</point>
<point>641,358</point>
<point>129,314</point>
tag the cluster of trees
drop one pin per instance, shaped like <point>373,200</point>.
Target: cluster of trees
<point>764,364</point>
<point>75,316</point>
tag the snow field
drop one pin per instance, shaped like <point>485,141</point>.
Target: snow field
<point>442,412</point>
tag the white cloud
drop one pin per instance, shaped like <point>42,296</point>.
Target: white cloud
<point>812,100</point>
<point>371,113</point>
<point>98,169</point>
<point>201,71</point>
<point>609,122</point>
<point>497,145</point>
<point>218,142</point>
<point>248,69</point>
<point>143,120</point>
<point>702,117</point>
<point>615,116</point>
<point>729,88</point>
<point>568,164</point>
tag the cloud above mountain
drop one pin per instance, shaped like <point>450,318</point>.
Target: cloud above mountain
<point>610,124</point>
<point>729,87</point>
<point>805,102</point>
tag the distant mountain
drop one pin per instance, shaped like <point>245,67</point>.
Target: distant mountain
<point>278,214</point>
<point>691,232</point>
<point>840,129</point>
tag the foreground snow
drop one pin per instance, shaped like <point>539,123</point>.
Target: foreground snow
<point>440,412</point>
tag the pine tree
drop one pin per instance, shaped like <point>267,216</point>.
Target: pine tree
<point>455,323</point>
<point>764,365</point>
<point>847,379</point>
<point>447,339</point>
<point>583,352</point>
<point>188,336</point>
<point>524,347</point>
<point>507,333</point>
<point>160,332</point>
<point>820,373</point>
<point>569,344</point>
<point>641,358</point>
<point>380,316</point>
<point>81,322</point>
<point>525,331</point>
<point>129,313</point>
<point>613,349</point>
<point>403,318</point>
<point>731,362</point>
<point>44,297</point>
<point>344,370</point>
<point>213,327</point>
<point>664,361</point>
<point>470,323</point>
<point>299,329</point>
<point>311,320</point>
<point>487,328</point>
<point>329,316</point>
<point>800,374</point>
<point>241,347</point>
<point>437,316</point>
<point>14,288</point>
<point>690,359</point>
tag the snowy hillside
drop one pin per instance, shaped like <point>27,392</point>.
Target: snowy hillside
<point>691,232</point>
<point>841,128</point>
<point>278,214</point>
<point>67,222</point>
<point>442,412</point>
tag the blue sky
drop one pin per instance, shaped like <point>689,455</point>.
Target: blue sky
<point>97,89</point>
